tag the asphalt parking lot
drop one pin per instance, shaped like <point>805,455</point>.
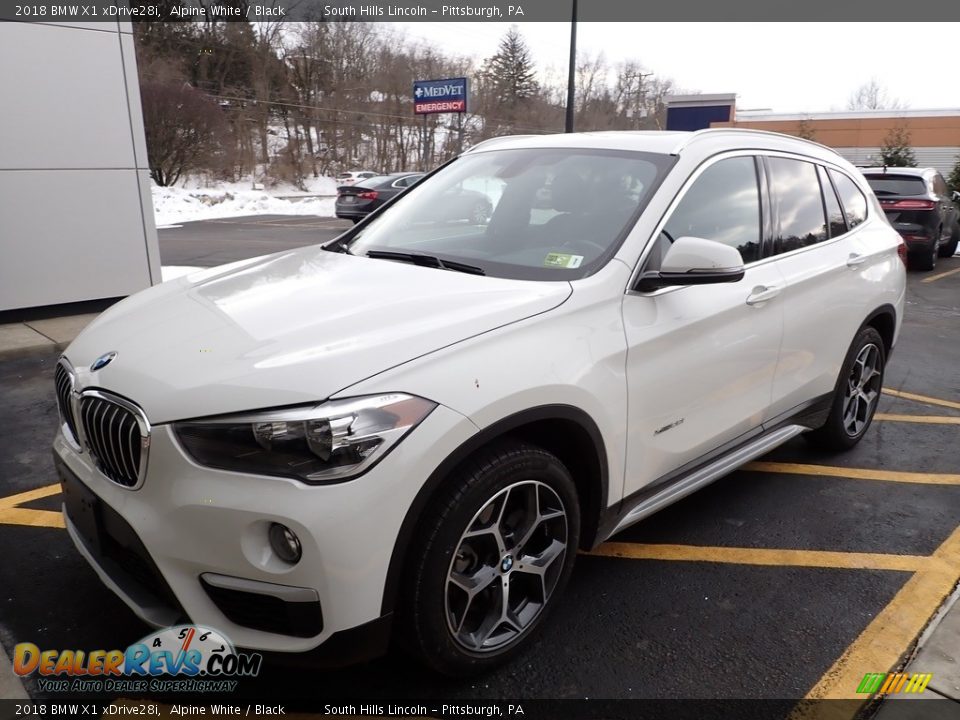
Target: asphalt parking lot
<point>791,578</point>
<point>206,243</point>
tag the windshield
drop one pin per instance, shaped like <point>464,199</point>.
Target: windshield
<point>897,184</point>
<point>544,214</point>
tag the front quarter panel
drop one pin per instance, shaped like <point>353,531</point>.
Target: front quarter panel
<point>572,355</point>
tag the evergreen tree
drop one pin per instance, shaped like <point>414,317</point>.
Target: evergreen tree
<point>954,180</point>
<point>806,130</point>
<point>896,150</point>
<point>510,71</point>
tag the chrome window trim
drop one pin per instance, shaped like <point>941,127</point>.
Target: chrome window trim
<point>698,171</point>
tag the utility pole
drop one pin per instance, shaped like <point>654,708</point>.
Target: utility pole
<point>572,77</point>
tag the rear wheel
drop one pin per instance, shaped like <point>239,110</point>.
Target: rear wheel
<point>856,395</point>
<point>950,249</point>
<point>491,559</point>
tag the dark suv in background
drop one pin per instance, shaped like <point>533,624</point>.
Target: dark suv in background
<point>921,207</point>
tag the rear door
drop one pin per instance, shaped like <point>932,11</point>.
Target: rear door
<point>701,359</point>
<point>826,261</point>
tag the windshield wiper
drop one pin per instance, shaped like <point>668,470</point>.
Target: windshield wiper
<point>426,261</point>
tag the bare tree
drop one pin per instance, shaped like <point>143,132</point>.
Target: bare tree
<point>873,96</point>
<point>184,129</point>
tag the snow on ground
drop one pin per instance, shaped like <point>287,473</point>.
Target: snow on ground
<point>173,205</point>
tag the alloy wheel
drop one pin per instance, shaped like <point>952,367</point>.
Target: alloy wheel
<point>863,390</point>
<point>506,566</point>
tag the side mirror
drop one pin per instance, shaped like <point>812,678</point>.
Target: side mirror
<point>694,261</point>
<point>956,195</point>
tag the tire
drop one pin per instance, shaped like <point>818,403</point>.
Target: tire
<point>844,429</point>
<point>950,249</point>
<point>451,614</point>
<point>928,261</point>
<point>356,220</point>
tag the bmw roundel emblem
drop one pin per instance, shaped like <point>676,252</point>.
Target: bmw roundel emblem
<point>103,361</point>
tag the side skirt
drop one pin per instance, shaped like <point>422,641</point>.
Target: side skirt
<point>714,465</point>
<point>647,504</point>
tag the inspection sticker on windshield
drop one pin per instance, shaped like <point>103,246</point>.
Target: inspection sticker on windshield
<point>562,260</point>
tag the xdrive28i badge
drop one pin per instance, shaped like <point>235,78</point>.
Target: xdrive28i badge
<point>103,361</point>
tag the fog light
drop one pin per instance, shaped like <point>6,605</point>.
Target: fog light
<point>285,543</point>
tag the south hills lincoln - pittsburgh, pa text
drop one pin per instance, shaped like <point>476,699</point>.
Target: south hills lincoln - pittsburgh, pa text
<point>370,11</point>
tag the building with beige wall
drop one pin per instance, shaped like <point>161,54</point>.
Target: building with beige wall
<point>76,217</point>
<point>859,135</point>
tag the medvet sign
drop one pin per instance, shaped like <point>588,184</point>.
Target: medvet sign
<point>440,96</point>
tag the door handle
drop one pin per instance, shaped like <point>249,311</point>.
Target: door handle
<point>762,293</point>
<point>854,260</point>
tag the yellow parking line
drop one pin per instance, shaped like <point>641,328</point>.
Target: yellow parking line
<point>769,556</point>
<point>934,278</point>
<point>922,398</point>
<point>855,473</point>
<point>31,518</point>
<point>929,419</point>
<point>883,643</point>
<point>36,494</point>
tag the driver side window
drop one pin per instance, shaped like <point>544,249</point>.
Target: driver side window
<point>723,204</point>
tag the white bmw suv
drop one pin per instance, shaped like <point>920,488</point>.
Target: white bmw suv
<point>414,428</point>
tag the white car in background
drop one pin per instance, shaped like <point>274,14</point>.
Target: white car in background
<point>414,428</point>
<point>353,176</point>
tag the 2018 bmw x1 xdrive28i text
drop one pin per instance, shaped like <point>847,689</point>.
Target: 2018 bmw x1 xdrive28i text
<point>413,429</point>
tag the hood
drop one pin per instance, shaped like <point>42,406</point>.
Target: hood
<point>294,327</point>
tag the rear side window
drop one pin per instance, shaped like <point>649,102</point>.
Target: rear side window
<point>723,204</point>
<point>838,225</point>
<point>851,198</point>
<point>897,185</point>
<point>940,185</point>
<point>800,219</point>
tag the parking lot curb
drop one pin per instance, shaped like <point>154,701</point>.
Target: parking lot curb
<point>11,688</point>
<point>19,338</point>
<point>53,333</point>
<point>936,652</point>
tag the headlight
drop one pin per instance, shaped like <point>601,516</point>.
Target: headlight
<point>318,444</point>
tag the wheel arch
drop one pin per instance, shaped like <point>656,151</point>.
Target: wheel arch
<point>563,430</point>
<point>884,321</point>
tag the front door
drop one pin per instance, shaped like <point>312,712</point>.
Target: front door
<point>701,359</point>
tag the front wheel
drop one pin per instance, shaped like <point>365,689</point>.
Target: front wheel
<point>492,557</point>
<point>856,395</point>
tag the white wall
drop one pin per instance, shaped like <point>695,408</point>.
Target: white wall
<point>76,218</point>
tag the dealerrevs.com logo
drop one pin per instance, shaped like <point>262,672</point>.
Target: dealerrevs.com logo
<point>183,658</point>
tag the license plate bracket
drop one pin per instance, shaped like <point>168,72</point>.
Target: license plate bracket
<point>83,507</point>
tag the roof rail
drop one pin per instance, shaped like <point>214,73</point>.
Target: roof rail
<point>736,131</point>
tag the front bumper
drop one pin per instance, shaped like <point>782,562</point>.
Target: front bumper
<point>194,524</point>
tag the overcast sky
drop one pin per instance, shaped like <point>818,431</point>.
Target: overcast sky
<point>787,67</point>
